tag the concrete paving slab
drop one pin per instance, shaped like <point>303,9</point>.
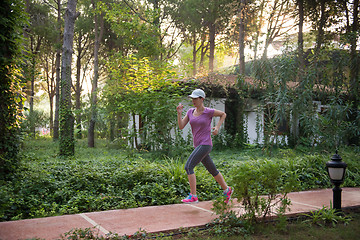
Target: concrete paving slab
<point>152,219</point>
<point>351,196</point>
<point>43,228</point>
<point>307,201</point>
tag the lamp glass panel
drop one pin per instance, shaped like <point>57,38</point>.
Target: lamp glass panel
<point>336,173</point>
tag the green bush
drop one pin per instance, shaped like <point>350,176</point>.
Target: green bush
<point>262,187</point>
<point>46,185</point>
<point>103,178</point>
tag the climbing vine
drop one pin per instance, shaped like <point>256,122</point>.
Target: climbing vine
<point>12,17</point>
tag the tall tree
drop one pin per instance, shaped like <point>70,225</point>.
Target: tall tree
<point>38,28</point>
<point>322,15</point>
<point>134,29</point>
<point>83,42</point>
<point>354,68</point>
<point>57,7</point>
<point>321,25</point>
<point>217,15</point>
<point>199,21</point>
<point>57,63</point>
<point>187,19</point>
<point>12,19</point>
<point>242,18</point>
<point>259,10</point>
<point>300,4</point>
<point>98,30</point>
<point>48,84</point>
<point>67,142</point>
<point>301,67</point>
<point>278,22</point>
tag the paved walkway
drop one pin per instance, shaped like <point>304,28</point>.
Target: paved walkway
<point>154,219</point>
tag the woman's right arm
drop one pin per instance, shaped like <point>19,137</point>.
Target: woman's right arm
<point>181,121</point>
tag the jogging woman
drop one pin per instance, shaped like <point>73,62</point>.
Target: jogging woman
<point>200,119</point>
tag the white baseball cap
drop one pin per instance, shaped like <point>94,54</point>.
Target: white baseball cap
<point>197,93</point>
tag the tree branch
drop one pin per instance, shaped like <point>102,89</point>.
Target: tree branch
<point>135,12</point>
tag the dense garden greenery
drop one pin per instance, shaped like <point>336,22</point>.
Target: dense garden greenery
<point>106,177</point>
<point>12,18</point>
<point>141,79</point>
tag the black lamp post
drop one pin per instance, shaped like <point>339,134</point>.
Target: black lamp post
<point>336,170</point>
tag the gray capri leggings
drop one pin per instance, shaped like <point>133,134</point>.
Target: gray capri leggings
<point>201,154</point>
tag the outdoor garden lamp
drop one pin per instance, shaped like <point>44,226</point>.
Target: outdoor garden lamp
<point>336,170</point>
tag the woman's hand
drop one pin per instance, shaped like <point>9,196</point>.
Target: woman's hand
<point>180,108</point>
<point>222,115</point>
<point>181,121</point>
<point>215,131</point>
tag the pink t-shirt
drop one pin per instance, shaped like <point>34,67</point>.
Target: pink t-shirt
<point>201,126</point>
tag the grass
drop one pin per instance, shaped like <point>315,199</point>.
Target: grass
<point>47,185</point>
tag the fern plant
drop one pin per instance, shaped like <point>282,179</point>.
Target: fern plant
<point>326,216</point>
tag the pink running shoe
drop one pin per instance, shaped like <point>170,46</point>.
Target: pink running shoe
<point>190,199</point>
<point>228,194</point>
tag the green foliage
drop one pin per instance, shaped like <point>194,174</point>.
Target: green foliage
<point>37,119</point>
<point>225,140</point>
<point>67,140</point>
<point>103,178</point>
<point>93,180</point>
<point>291,99</point>
<point>326,216</point>
<point>228,224</point>
<point>12,18</point>
<point>330,128</point>
<point>262,187</point>
<point>136,35</point>
<point>91,234</point>
<point>138,87</point>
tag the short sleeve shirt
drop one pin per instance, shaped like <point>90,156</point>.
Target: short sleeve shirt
<point>201,126</point>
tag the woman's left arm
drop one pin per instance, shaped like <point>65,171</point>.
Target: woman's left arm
<point>222,115</point>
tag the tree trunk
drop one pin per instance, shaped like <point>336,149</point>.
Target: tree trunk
<point>34,53</point>
<point>258,27</point>
<point>51,99</point>
<point>112,128</point>
<point>354,70</point>
<point>320,35</point>
<point>78,93</point>
<point>194,54</point>
<point>32,94</point>
<point>98,35</point>
<point>49,71</point>
<point>57,85</point>
<point>204,48</point>
<point>157,25</point>
<point>135,132</point>
<point>242,37</point>
<point>295,113</point>
<point>67,142</point>
<point>212,33</point>
<point>354,67</point>
<point>301,40</point>
<point>57,96</point>
<point>51,96</point>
